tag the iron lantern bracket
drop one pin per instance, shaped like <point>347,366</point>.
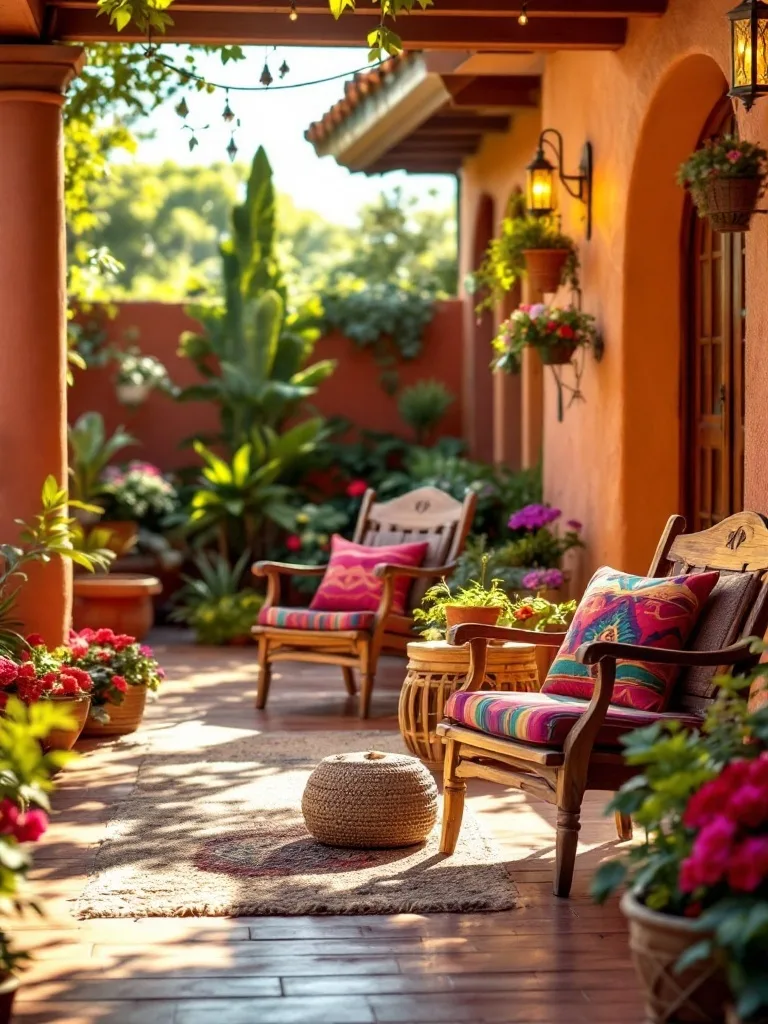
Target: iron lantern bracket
<point>577,185</point>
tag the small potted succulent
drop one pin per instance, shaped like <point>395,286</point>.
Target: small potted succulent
<point>215,605</point>
<point>555,333</point>
<point>697,902</point>
<point>122,673</point>
<point>138,375</point>
<point>443,608</point>
<point>726,177</point>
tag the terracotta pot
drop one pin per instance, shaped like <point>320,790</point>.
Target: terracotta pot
<point>8,986</point>
<point>123,718</point>
<point>557,355</point>
<point>656,941</point>
<point>65,739</point>
<point>545,269</point>
<point>730,202</point>
<point>123,534</point>
<point>118,601</point>
<point>132,394</point>
<point>456,615</point>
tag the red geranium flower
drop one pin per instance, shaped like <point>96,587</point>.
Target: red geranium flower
<point>566,332</point>
<point>119,683</point>
<point>293,542</point>
<point>356,488</point>
<point>30,826</point>
<point>525,612</point>
<point>35,640</point>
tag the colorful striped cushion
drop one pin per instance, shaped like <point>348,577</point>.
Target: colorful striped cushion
<point>302,618</point>
<point>654,612</point>
<point>541,719</point>
<point>349,584</point>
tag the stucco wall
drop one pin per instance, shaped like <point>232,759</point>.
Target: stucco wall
<point>353,391</point>
<point>614,461</point>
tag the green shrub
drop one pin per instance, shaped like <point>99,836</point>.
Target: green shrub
<point>423,405</point>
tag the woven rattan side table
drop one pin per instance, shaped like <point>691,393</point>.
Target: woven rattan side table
<point>437,668</point>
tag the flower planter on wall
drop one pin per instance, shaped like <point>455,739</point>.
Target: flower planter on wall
<point>544,268</point>
<point>730,202</point>
<point>558,355</point>
<point>119,601</point>
<point>656,941</point>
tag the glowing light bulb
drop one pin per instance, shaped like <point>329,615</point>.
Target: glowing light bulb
<point>522,19</point>
<point>293,14</point>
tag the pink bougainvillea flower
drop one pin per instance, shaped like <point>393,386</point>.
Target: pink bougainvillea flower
<point>748,805</point>
<point>293,542</point>
<point>30,826</point>
<point>147,651</point>
<point>748,867</point>
<point>712,850</point>
<point>9,815</point>
<point>356,488</point>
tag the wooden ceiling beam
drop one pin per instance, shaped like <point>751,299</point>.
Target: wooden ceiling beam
<point>488,91</point>
<point>501,34</point>
<point>453,123</point>
<point>442,8</point>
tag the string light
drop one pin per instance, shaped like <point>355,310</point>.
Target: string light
<point>232,149</point>
<point>523,16</point>
<point>228,114</point>
<point>284,69</point>
<point>293,14</point>
<point>266,78</point>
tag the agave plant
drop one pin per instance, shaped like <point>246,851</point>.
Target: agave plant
<point>91,451</point>
<point>252,355</point>
<point>213,604</point>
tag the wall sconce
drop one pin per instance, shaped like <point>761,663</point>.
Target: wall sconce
<point>540,178</point>
<point>749,51</point>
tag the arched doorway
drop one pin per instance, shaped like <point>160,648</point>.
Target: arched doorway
<point>713,379</point>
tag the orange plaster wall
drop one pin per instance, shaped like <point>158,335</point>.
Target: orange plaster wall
<point>353,391</point>
<point>614,461</point>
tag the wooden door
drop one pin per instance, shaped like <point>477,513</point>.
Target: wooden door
<point>713,461</point>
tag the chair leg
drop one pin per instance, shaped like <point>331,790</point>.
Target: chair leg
<point>623,825</point>
<point>366,692</point>
<point>369,658</point>
<point>454,792</point>
<point>568,826</point>
<point>265,674</point>
<point>349,680</point>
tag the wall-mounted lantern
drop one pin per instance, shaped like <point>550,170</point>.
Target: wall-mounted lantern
<point>540,178</point>
<point>749,51</point>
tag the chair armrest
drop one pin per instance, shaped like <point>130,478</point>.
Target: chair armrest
<point>590,654</point>
<point>469,631</point>
<point>417,572</point>
<point>275,570</point>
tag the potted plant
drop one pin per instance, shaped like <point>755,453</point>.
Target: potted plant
<point>25,781</point>
<point>214,606</point>
<point>698,899</point>
<point>136,494</point>
<point>122,673</point>
<point>90,452</point>
<point>726,177</point>
<point>44,675</point>
<point>443,608</point>
<point>532,245</point>
<point>138,375</point>
<point>555,333</point>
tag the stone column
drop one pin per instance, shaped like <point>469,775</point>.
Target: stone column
<point>33,79</point>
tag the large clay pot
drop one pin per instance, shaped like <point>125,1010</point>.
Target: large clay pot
<point>65,739</point>
<point>730,202</point>
<point>457,615</point>
<point>656,941</point>
<point>544,268</point>
<point>123,534</point>
<point>118,601</point>
<point>123,718</point>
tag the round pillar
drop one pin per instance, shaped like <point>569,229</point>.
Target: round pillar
<point>33,438</point>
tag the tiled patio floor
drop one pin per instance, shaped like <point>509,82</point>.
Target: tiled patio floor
<point>548,961</point>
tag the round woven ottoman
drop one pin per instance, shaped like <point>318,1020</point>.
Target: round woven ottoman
<point>370,800</point>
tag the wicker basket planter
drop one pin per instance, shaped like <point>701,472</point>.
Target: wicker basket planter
<point>544,268</point>
<point>123,718</point>
<point>370,801</point>
<point>656,941</point>
<point>457,615</point>
<point>64,739</point>
<point>118,601</point>
<point>728,203</point>
<point>557,355</point>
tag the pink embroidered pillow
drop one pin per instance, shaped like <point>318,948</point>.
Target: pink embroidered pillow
<point>656,612</point>
<point>349,584</point>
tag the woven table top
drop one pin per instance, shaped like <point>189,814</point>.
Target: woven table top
<point>433,653</point>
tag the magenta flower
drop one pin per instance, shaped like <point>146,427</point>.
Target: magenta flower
<point>533,517</point>
<point>543,579</point>
<point>575,525</point>
<point>733,155</point>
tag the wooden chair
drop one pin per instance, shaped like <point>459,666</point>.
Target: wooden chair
<point>736,610</point>
<point>426,514</point>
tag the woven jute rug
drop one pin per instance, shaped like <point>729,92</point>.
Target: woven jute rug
<point>225,837</point>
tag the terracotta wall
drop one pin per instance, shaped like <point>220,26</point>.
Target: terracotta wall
<point>353,391</point>
<point>615,462</point>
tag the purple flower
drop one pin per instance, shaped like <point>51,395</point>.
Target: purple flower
<point>543,579</point>
<point>533,517</point>
<point>574,524</point>
<point>536,310</point>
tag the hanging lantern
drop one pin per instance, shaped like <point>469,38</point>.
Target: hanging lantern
<point>293,14</point>
<point>540,185</point>
<point>749,51</point>
<point>181,108</point>
<point>232,149</point>
<point>522,18</point>
<point>266,76</point>
<point>284,69</point>
<point>228,114</point>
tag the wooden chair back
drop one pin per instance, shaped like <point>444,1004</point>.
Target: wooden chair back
<point>426,514</point>
<point>738,605</point>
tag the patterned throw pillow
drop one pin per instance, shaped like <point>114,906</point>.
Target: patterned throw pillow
<point>349,584</point>
<point>633,610</point>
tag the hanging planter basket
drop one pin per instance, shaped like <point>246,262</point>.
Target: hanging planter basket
<point>544,268</point>
<point>133,394</point>
<point>558,355</point>
<point>728,203</point>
